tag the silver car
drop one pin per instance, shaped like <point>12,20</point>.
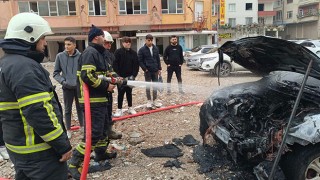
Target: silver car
<point>193,61</point>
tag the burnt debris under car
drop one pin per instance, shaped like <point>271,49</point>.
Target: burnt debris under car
<point>251,118</point>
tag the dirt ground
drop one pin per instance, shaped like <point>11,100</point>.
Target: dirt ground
<point>157,129</point>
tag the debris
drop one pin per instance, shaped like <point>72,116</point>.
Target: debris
<point>175,163</point>
<point>168,150</point>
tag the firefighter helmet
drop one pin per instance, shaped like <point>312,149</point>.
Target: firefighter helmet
<point>27,26</point>
<point>107,36</point>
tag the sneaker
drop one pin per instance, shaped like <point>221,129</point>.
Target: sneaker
<point>131,110</point>
<point>149,104</point>
<point>158,104</point>
<point>4,153</point>
<point>181,92</point>
<point>118,113</point>
<point>69,134</point>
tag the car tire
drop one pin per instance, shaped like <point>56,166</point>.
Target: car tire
<point>302,163</point>
<point>225,69</point>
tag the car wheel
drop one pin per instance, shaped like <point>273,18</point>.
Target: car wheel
<point>225,69</point>
<point>302,163</point>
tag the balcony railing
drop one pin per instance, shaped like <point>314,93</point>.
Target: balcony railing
<point>308,14</point>
<point>307,2</point>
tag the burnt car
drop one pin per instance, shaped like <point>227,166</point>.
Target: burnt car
<point>250,119</point>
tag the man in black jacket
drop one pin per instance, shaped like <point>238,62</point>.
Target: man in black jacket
<point>30,112</point>
<point>173,57</point>
<point>149,61</point>
<point>126,65</point>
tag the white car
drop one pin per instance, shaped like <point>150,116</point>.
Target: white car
<point>210,62</point>
<point>312,45</point>
<point>198,50</point>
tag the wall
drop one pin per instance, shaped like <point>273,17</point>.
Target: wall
<point>240,13</point>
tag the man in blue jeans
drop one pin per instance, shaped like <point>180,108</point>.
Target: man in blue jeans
<point>149,61</point>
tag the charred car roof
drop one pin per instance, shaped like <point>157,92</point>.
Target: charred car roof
<point>262,55</point>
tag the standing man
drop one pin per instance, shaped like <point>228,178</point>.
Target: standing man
<point>126,64</point>
<point>91,64</point>
<point>31,116</point>
<point>67,63</point>
<point>108,40</point>
<point>173,57</point>
<point>149,61</point>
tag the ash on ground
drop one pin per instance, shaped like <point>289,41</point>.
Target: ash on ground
<point>215,162</point>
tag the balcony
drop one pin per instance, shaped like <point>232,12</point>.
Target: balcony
<point>307,2</point>
<point>266,13</point>
<point>265,1</point>
<point>308,16</point>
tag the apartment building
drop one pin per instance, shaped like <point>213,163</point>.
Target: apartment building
<point>247,18</point>
<point>299,17</point>
<point>191,20</point>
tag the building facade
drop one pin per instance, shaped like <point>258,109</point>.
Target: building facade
<point>193,21</point>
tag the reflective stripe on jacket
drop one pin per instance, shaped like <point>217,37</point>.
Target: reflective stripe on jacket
<point>30,114</point>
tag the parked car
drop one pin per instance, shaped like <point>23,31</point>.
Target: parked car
<point>312,45</point>
<point>198,50</point>
<point>210,62</point>
<point>193,62</point>
<point>250,118</point>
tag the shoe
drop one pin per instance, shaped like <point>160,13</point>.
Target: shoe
<point>3,153</point>
<point>75,171</point>
<point>69,134</point>
<point>149,104</point>
<point>118,113</point>
<point>131,110</point>
<point>158,104</point>
<point>105,156</point>
<point>169,92</point>
<point>181,92</point>
<point>114,135</point>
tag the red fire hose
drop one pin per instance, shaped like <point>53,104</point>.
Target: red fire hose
<point>87,114</point>
<point>156,110</point>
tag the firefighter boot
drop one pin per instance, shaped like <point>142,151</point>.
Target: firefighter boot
<point>113,134</point>
<point>102,154</point>
<point>74,164</point>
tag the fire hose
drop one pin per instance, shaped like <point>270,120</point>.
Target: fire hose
<point>87,114</point>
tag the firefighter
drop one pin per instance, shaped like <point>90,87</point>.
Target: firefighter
<point>92,63</point>
<point>31,115</point>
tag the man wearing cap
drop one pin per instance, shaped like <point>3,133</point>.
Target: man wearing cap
<point>91,64</point>
<point>149,61</point>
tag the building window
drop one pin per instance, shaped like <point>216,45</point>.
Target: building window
<point>249,20</point>
<point>289,15</point>
<point>232,22</point>
<point>97,7</point>
<point>261,20</point>
<point>133,6</point>
<point>49,8</point>
<point>172,6</point>
<point>289,1</point>
<point>248,6</point>
<point>278,16</point>
<point>260,7</point>
<point>232,7</point>
<point>213,8</point>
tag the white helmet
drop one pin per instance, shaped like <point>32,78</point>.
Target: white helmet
<point>27,26</point>
<point>107,36</point>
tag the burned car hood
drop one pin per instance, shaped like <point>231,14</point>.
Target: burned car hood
<point>262,55</point>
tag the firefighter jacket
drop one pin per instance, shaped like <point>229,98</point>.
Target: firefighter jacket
<point>29,110</point>
<point>92,63</point>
